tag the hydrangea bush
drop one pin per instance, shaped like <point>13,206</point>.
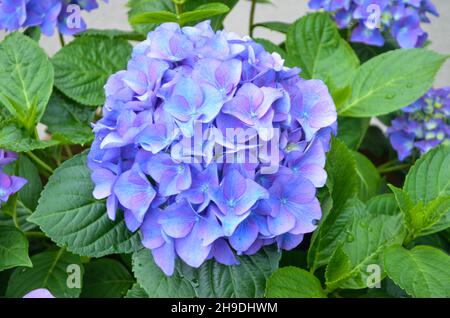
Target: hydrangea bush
<point>182,160</point>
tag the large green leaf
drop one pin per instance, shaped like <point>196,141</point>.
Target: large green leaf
<point>136,291</point>
<point>26,79</point>
<point>200,13</point>
<point>83,66</point>
<point>50,271</point>
<point>138,7</point>
<point>423,271</point>
<point>278,26</point>
<point>294,282</point>
<point>343,184</point>
<point>70,216</point>
<point>369,177</point>
<point>429,178</point>
<point>68,121</point>
<point>155,283</point>
<point>365,242</point>
<point>314,44</point>
<point>15,138</point>
<point>352,131</point>
<point>425,198</point>
<point>382,204</point>
<point>248,279</point>
<point>13,248</point>
<point>105,278</point>
<point>391,81</point>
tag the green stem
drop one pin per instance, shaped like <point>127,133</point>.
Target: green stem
<point>35,234</point>
<point>14,214</point>
<point>178,6</point>
<point>39,162</point>
<point>68,151</point>
<point>394,168</point>
<point>61,39</point>
<point>387,164</point>
<point>252,18</point>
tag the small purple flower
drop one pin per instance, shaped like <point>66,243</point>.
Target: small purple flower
<point>47,15</point>
<point>423,125</point>
<point>8,184</point>
<point>401,18</point>
<point>39,293</point>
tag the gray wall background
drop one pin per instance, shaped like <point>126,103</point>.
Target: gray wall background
<point>114,15</point>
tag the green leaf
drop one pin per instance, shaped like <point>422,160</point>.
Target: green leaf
<point>352,131</point>
<point>210,280</point>
<point>50,271</point>
<point>13,248</point>
<point>16,139</point>
<point>391,81</point>
<point>155,283</point>
<point>153,17</point>
<point>331,232</point>
<point>294,282</point>
<point>429,178</point>
<point>136,291</point>
<point>68,121</point>
<point>216,21</point>
<point>383,204</point>
<point>423,271</point>
<point>140,6</point>
<point>369,177</point>
<point>26,79</point>
<point>425,199</point>
<point>105,278</point>
<point>314,44</point>
<point>83,66</point>
<point>364,244</point>
<point>71,217</point>
<point>203,12</point>
<point>246,280</point>
<point>278,26</point>
<point>343,184</point>
<point>114,34</point>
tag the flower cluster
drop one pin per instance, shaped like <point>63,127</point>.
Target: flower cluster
<point>47,15</point>
<point>423,124</point>
<point>210,146</point>
<point>373,18</point>
<point>8,184</point>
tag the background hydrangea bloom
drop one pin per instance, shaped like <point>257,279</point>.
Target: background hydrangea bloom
<point>47,15</point>
<point>194,82</point>
<point>423,124</point>
<point>8,184</point>
<point>400,18</point>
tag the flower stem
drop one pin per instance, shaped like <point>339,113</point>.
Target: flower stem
<point>68,151</point>
<point>252,18</point>
<point>39,162</point>
<point>61,39</point>
<point>394,168</point>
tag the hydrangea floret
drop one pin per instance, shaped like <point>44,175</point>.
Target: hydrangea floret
<point>372,20</point>
<point>422,125</point>
<point>8,184</point>
<point>211,147</point>
<point>47,15</point>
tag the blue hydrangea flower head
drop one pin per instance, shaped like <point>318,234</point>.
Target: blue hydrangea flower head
<point>422,125</point>
<point>211,147</point>
<point>8,184</point>
<point>372,20</point>
<point>47,15</point>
